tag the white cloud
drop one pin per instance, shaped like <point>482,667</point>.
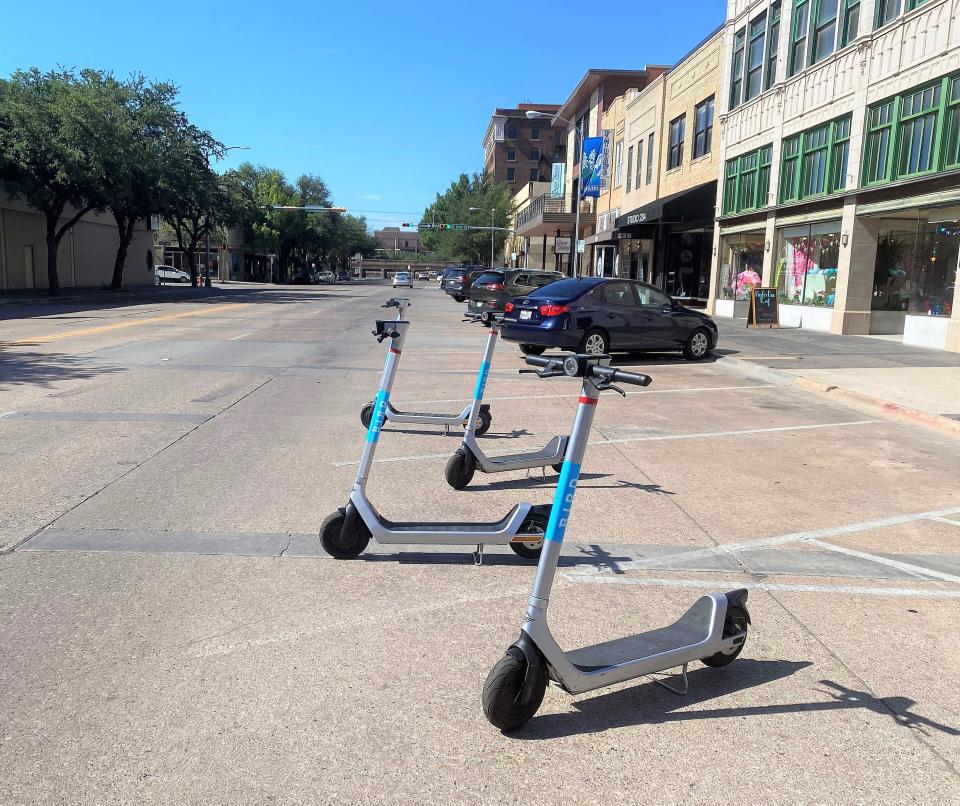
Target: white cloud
<point>371,196</point>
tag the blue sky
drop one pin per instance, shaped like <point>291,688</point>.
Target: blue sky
<point>388,102</point>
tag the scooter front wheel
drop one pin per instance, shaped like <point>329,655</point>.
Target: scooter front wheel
<point>503,700</point>
<point>366,415</point>
<point>530,549</point>
<point>337,542</point>
<point>460,468</point>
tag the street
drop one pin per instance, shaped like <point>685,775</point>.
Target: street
<point>172,632</point>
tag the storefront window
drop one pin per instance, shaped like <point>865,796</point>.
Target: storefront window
<point>742,266</point>
<point>916,268</point>
<point>806,270</point>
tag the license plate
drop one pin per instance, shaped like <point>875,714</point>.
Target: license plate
<point>526,314</point>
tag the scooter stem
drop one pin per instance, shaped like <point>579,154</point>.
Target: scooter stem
<point>482,376</point>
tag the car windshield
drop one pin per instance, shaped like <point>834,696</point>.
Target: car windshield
<point>566,289</point>
<point>489,277</point>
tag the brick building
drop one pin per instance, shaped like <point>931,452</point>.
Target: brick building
<point>394,240</point>
<point>518,150</point>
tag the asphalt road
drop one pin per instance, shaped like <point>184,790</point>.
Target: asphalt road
<point>170,631</point>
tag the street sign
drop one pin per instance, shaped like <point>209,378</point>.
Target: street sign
<point>581,246</point>
<point>561,246</point>
<point>556,180</point>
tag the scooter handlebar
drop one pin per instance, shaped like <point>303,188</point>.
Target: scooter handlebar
<point>393,302</point>
<point>580,366</point>
<point>611,375</point>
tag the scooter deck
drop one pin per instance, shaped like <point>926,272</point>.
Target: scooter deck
<point>549,454</point>
<point>446,527</point>
<point>691,628</point>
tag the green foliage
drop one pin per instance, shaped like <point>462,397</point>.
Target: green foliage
<point>453,207</point>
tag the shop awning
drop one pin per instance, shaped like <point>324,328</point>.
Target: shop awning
<point>687,205</point>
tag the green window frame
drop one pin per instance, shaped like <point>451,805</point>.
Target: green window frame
<point>814,162</point>
<point>773,43</point>
<point>736,73</point>
<point>799,35</point>
<point>756,57</point>
<point>951,157</point>
<point>824,29</point>
<point>747,181</point>
<point>851,22</point>
<point>917,141</point>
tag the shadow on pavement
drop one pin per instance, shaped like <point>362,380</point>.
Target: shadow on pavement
<point>651,704</point>
<point>43,369</point>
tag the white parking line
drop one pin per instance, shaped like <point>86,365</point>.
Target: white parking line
<point>946,520</point>
<point>916,570</point>
<point>234,338</point>
<point>575,394</point>
<point>625,440</point>
<point>720,584</point>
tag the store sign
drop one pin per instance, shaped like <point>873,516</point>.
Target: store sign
<point>605,165</point>
<point>561,246</point>
<point>556,180</point>
<point>581,246</point>
<point>636,218</point>
<point>591,167</point>
<point>624,236</point>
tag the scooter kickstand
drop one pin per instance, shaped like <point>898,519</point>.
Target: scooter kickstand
<point>478,555</point>
<point>675,689</point>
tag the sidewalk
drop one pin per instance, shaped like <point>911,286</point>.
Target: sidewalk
<point>876,374</point>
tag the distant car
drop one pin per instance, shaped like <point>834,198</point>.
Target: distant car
<point>457,284</point>
<point>598,315</point>
<point>490,292</point>
<point>168,274</point>
<point>423,276</point>
<point>402,278</point>
<point>344,276</point>
<point>326,277</point>
<point>302,277</point>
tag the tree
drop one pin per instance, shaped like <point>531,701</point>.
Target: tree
<point>453,207</point>
<point>53,135</point>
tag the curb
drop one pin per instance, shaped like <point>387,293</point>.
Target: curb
<point>859,400</point>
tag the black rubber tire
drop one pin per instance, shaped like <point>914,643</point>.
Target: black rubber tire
<point>504,685</point>
<point>460,468</point>
<point>532,349</point>
<point>698,345</point>
<point>157,281</point>
<point>484,419</point>
<point>591,336</point>
<point>366,414</point>
<point>458,298</point>
<point>557,467</point>
<point>185,280</point>
<point>336,543</point>
<point>536,524</point>
<point>736,621</point>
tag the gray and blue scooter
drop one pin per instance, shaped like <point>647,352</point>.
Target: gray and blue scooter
<point>479,411</point>
<point>346,532</point>
<point>712,631</point>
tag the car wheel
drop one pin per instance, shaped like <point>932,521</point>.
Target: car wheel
<point>157,281</point>
<point>532,349</point>
<point>458,298</point>
<point>185,280</point>
<point>595,342</point>
<point>698,345</point>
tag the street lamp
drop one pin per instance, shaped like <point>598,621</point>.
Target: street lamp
<point>577,145</point>
<point>206,266</point>
<point>493,211</point>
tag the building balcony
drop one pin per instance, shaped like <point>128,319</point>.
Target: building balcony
<point>546,215</point>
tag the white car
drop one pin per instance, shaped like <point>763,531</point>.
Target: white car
<point>168,274</point>
<point>423,276</point>
<point>402,278</point>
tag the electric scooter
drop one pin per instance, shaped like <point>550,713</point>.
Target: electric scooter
<point>469,457</point>
<point>713,630</point>
<point>483,417</point>
<point>346,532</point>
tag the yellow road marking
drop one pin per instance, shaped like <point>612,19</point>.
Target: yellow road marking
<point>119,325</point>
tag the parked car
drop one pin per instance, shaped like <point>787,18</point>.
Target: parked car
<point>457,284</point>
<point>423,276</point>
<point>344,276</point>
<point>597,315</point>
<point>168,274</point>
<point>303,277</point>
<point>326,277</point>
<point>447,272</point>
<point>490,292</point>
<point>402,278</point>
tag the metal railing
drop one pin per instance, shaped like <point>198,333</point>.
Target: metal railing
<point>547,204</point>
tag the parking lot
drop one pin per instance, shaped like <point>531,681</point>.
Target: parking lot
<point>172,632</point>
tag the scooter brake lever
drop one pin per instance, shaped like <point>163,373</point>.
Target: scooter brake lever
<point>612,388</point>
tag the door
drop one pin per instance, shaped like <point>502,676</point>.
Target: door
<point>621,315</point>
<point>661,327</point>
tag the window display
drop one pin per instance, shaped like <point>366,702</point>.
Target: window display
<point>742,266</point>
<point>806,270</point>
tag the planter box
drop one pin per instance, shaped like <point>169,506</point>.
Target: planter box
<point>886,323</point>
<point>926,331</point>
<point>809,317</point>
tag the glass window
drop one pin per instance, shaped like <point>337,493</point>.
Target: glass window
<point>773,43</point>
<point>651,296</point>
<point>876,159</point>
<point>511,132</point>
<point>618,293</point>
<point>703,128</point>
<point>886,11</point>
<point>918,123</point>
<point>511,174</point>
<point>825,30</point>
<point>951,157</point>
<point>814,163</point>
<point>747,181</point>
<point>649,159</point>
<point>741,266</point>
<point>675,156</point>
<point>629,168</point>
<point>813,170</point>
<point>798,42</point>
<point>512,154</point>
<point>851,21</point>
<point>639,162</point>
<point>535,133</point>
<point>618,164</point>
<point>806,269</point>
<point>764,157</point>
<point>535,154</point>
<point>839,155</point>
<point>736,69</point>
<point>534,174</point>
<point>789,172</point>
<point>755,57</point>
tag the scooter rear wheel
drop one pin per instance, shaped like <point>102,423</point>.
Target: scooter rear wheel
<point>366,415</point>
<point>503,702</point>
<point>530,549</point>
<point>736,621</point>
<point>337,542</point>
<point>484,419</point>
<point>460,468</point>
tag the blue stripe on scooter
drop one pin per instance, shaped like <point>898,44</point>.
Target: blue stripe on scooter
<point>379,413</point>
<point>562,501</point>
<point>481,380</point>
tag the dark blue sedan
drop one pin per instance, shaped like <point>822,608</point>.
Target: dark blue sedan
<point>597,315</point>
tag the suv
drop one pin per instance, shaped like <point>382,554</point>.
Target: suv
<point>490,291</point>
<point>168,274</point>
<point>457,283</point>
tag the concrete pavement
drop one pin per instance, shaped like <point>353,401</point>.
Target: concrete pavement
<point>171,633</point>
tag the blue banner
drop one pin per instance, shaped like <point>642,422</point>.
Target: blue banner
<point>591,167</point>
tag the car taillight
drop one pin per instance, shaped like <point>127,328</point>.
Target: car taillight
<point>554,310</point>
<point>495,286</point>
<point>508,307</point>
